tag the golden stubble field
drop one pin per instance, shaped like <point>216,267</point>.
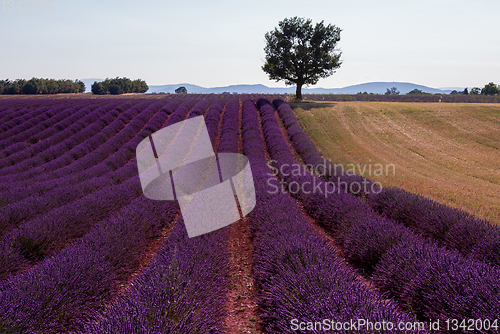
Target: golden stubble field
<point>446,152</point>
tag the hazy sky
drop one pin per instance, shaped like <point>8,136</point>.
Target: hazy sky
<point>434,43</point>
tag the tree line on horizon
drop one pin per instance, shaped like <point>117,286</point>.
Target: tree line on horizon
<point>36,86</point>
<point>489,89</point>
<point>118,86</point>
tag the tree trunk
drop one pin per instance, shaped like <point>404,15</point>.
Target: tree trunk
<point>298,91</point>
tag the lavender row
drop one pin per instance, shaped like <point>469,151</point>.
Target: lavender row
<point>65,132</point>
<point>14,104</point>
<point>41,123</point>
<point>29,168</point>
<point>9,109</point>
<point>24,209</point>
<point>230,127</point>
<point>64,289</point>
<point>298,275</point>
<point>6,113</point>
<point>26,117</point>
<point>107,137</point>
<point>185,286</point>
<point>47,129</point>
<point>87,156</point>
<point>111,164</point>
<point>367,240</point>
<point>310,155</point>
<point>22,150</point>
<point>432,281</point>
<point>103,131</point>
<point>183,289</point>
<point>23,121</point>
<point>46,234</point>
<point>450,227</point>
<point>307,150</point>
<point>200,108</point>
<point>122,155</point>
<point>213,118</point>
<point>17,133</point>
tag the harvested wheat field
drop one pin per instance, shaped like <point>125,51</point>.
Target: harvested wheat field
<point>446,152</point>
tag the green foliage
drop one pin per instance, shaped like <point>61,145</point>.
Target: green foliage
<point>182,90</point>
<point>119,86</point>
<point>392,91</point>
<point>301,54</point>
<point>115,89</point>
<point>97,88</point>
<point>40,86</point>
<point>490,89</point>
<point>414,91</point>
<point>475,91</point>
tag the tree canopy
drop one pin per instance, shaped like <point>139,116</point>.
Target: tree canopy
<point>301,54</point>
<point>392,91</point>
<point>41,86</point>
<point>119,86</point>
<point>414,91</point>
<point>181,90</point>
<point>490,89</point>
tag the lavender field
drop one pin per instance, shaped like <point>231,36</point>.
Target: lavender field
<point>82,250</point>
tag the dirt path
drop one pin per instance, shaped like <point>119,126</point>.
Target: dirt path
<point>242,307</point>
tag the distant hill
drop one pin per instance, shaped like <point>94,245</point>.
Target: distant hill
<point>370,87</point>
<point>381,88</point>
<point>240,89</point>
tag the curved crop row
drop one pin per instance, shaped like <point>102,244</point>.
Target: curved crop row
<point>67,131</point>
<point>52,157</point>
<point>23,149</point>
<point>46,234</point>
<point>184,287</point>
<point>111,164</point>
<point>26,118</point>
<point>300,279</point>
<point>113,124</point>
<point>66,192</point>
<point>369,240</point>
<point>66,288</point>
<point>450,227</point>
<point>43,122</point>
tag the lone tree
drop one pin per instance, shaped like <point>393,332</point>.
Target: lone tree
<point>181,90</point>
<point>301,54</point>
<point>392,91</point>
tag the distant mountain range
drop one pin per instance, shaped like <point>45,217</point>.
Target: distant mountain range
<point>369,87</point>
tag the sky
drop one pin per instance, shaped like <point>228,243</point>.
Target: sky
<point>432,43</point>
